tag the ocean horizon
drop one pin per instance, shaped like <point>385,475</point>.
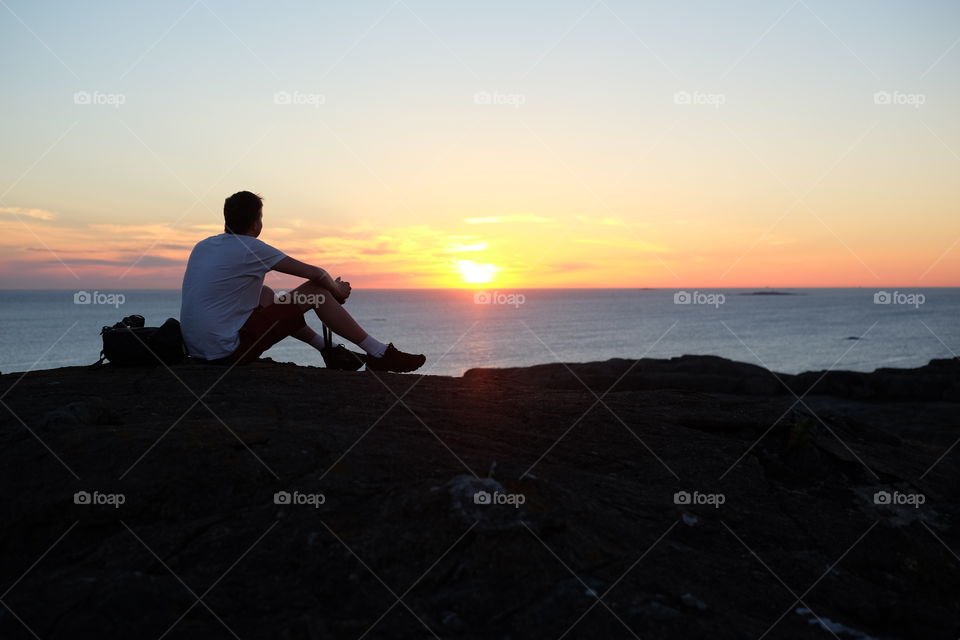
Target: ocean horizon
<point>788,330</point>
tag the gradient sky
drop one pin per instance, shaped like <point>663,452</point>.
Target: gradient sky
<point>541,144</point>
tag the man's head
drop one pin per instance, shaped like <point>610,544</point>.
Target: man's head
<point>243,214</point>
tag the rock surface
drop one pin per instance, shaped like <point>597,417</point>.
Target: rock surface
<point>686,498</point>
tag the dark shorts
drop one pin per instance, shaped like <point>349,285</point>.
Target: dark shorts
<point>265,327</point>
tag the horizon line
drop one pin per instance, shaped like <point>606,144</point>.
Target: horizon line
<point>679,288</point>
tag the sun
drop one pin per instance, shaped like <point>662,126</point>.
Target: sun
<point>474,273</point>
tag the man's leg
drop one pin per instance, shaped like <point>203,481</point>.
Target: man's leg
<point>275,318</point>
<point>333,357</point>
<point>381,357</point>
<point>308,335</point>
<point>305,333</point>
<point>312,296</point>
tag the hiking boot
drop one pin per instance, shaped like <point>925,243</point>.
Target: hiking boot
<point>342,359</point>
<point>395,360</point>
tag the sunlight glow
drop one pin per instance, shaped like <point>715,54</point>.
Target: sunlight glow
<point>474,273</point>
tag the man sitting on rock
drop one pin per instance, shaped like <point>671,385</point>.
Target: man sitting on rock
<point>229,317</point>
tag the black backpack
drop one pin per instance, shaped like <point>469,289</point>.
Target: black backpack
<point>129,343</point>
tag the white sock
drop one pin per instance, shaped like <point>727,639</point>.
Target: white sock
<point>317,342</point>
<point>373,347</point>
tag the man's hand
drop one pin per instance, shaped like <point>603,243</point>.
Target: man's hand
<point>344,290</point>
<point>339,289</point>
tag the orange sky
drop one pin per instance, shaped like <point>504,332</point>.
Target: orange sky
<point>511,251</point>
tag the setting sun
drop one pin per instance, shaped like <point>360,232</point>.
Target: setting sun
<point>475,273</point>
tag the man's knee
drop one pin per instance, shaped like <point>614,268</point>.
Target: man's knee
<point>310,287</point>
<point>311,295</point>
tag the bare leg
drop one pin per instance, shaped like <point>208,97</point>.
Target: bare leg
<point>380,357</point>
<point>330,312</point>
<point>305,334</point>
<point>268,297</point>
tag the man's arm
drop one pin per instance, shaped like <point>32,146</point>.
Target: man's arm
<point>294,267</point>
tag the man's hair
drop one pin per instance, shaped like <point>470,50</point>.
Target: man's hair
<point>241,211</point>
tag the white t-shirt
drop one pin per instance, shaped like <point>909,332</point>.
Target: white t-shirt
<point>221,287</point>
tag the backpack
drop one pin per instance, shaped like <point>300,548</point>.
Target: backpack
<point>129,343</point>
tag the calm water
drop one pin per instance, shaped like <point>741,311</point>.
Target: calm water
<point>788,333</point>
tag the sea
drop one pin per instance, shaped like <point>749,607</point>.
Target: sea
<point>786,330</point>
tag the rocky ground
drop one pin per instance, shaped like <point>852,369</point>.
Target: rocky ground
<point>689,498</point>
